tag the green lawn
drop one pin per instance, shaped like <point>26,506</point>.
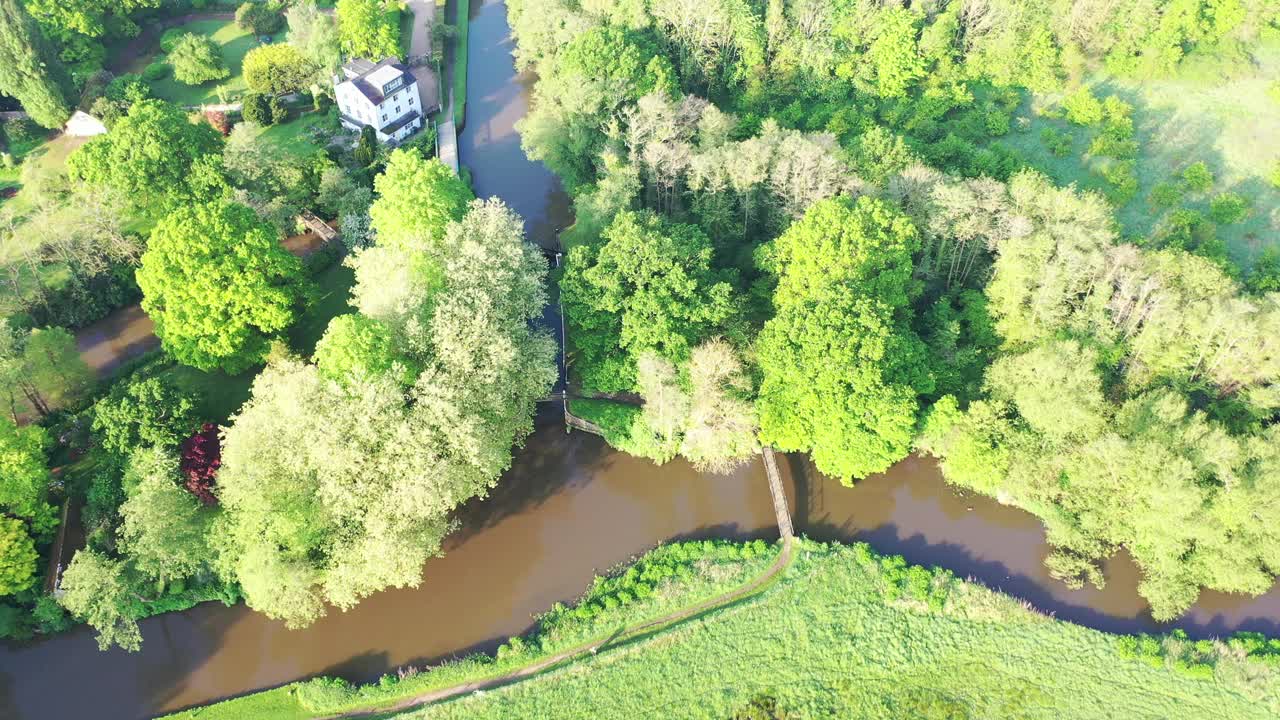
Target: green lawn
<point>294,136</point>
<point>235,43</point>
<point>1218,111</point>
<point>334,289</point>
<point>47,153</point>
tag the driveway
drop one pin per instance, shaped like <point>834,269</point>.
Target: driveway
<point>419,60</point>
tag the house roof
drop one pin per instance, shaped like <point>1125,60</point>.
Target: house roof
<point>369,78</point>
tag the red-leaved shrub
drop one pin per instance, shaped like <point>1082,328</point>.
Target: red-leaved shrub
<point>201,457</point>
<point>218,120</point>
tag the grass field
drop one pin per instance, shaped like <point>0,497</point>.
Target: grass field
<point>845,634</point>
<point>293,136</point>
<point>1217,111</point>
<point>235,43</point>
<point>829,641</point>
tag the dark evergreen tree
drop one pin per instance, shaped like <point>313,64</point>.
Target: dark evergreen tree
<point>29,69</point>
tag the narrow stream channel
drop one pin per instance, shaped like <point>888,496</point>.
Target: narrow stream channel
<point>571,506</point>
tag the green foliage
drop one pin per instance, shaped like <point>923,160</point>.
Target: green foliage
<point>1166,195</point>
<point>218,285</point>
<point>144,412</point>
<point>368,29</point>
<point>277,69</point>
<point>1227,208</point>
<point>196,60</point>
<point>96,591</point>
<point>153,155</point>
<point>156,71</point>
<point>1082,108</point>
<point>649,287</point>
<point>1197,178</point>
<point>163,528</point>
<point>333,491</point>
<point>841,373</point>
<point>29,68</point>
<point>315,35</point>
<point>1058,143</point>
<point>261,17</point>
<point>417,199</point>
<point>257,109</point>
<point>24,477</point>
<point>355,346</point>
<point>17,557</point>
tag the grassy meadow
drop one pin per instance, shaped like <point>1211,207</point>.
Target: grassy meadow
<point>1221,109</point>
<point>235,43</point>
<point>846,636</point>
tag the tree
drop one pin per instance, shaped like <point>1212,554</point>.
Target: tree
<point>1054,387</point>
<point>201,457</point>
<point>30,70</point>
<point>277,69</point>
<point>43,367</point>
<point>163,529</point>
<point>367,29</point>
<point>144,412</point>
<point>649,287</point>
<point>197,59</point>
<point>96,590</point>
<point>315,35</point>
<point>17,556</point>
<point>367,147</point>
<point>260,17</point>
<point>417,199</point>
<point>24,477</point>
<point>841,371</point>
<point>154,154</point>
<point>332,491</point>
<point>218,285</point>
<point>356,345</point>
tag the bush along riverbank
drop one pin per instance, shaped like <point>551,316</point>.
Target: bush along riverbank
<point>843,632</point>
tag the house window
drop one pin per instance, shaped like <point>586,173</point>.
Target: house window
<point>397,110</point>
<point>384,117</point>
<point>410,101</point>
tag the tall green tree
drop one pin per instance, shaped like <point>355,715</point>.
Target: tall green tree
<point>842,371</point>
<point>218,285</point>
<point>650,286</point>
<point>277,69</point>
<point>17,556</point>
<point>315,35</point>
<point>164,528</point>
<point>154,154</point>
<point>369,29</point>
<point>335,490</point>
<point>144,412</point>
<point>197,59</point>
<point>417,199</point>
<point>96,589</point>
<point>30,70</point>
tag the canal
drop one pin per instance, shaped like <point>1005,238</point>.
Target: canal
<point>571,506</point>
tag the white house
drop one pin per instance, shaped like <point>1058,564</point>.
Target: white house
<point>384,95</point>
<point>82,124</point>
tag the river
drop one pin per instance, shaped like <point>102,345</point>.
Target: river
<point>570,507</point>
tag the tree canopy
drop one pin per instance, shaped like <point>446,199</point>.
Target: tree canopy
<point>368,29</point>
<point>218,285</point>
<point>334,490</point>
<point>197,59</point>
<point>154,154</point>
<point>30,70</point>
<point>417,199</point>
<point>17,556</point>
<point>278,69</point>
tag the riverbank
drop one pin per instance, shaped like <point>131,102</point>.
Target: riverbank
<point>668,585</point>
<point>844,632</point>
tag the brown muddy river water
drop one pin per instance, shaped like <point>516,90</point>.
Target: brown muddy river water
<point>570,507</point>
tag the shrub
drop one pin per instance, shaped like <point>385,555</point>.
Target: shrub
<point>201,458</point>
<point>1264,276</point>
<point>1274,178</point>
<point>277,69</point>
<point>155,71</point>
<point>257,109</point>
<point>1165,195</point>
<point>1227,208</point>
<point>1197,177</point>
<point>260,18</point>
<point>1058,143</point>
<point>1082,108</point>
<point>997,123</point>
<point>169,40</point>
<point>50,616</point>
<point>22,130</point>
<point>219,120</point>
<point>279,112</point>
<point>17,556</point>
<point>1123,178</point>
<point>196,59</point>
